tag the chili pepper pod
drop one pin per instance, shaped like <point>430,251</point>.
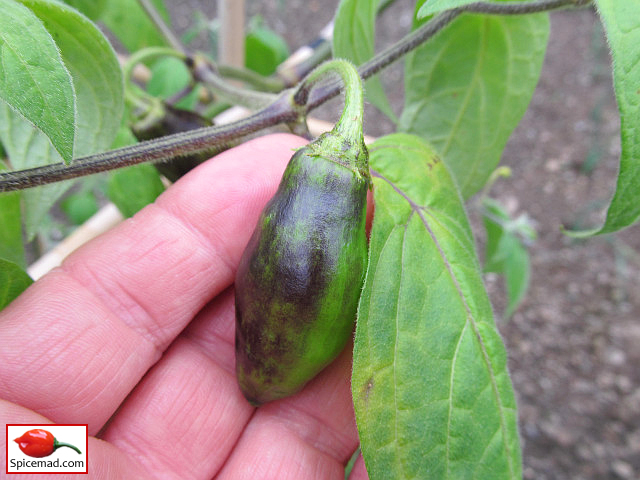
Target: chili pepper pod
<point>40,443</point>
<point>300,277</point>
<point>299,280</point>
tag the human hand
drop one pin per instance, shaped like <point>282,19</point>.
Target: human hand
<point>134,335</point>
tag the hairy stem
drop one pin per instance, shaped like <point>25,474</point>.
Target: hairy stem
<point>134,95</point>
<point>185,143</point>
<point>147,54</point>
<point>292,74</point>
<point>521,8</point>
<point>350,122</point>
<point>282,110</point>
<point>388,56</point>
<point>322,47</point>
<point>205,72</point>
<point>260,82</point>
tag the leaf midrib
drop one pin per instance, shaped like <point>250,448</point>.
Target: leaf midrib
<point>35,83</point>
<point>485,355</point>
<point>421,210</point>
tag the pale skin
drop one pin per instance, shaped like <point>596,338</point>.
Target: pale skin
<point>134,335</point>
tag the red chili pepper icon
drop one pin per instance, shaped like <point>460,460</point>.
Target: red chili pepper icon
<point>40,443</point>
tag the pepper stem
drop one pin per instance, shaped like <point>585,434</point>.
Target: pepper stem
<point>350,122</point>
<point>347,134</point>
<point>133,93</point>
<point>57,444</point>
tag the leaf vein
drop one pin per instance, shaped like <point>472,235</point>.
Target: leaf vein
<point>485,355</point>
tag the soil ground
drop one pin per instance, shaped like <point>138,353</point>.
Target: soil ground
<point>574,344</point>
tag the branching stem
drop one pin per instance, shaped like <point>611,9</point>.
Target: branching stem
<point>133,94</point>
<point>282,110</point>
<point>185,143</point>
<point>350,122</point>
<point>260,82</point>
<point>205,72</point>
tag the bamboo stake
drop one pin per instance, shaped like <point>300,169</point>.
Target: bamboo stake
<point>231,40</point>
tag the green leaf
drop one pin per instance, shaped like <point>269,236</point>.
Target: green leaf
<point>432,395</point>
<point>505,252</point>
<point>96,73</point>
<point>34,80</point>
<point>494,217</point>
<point>621,20</point>
<point>468,87</point>
<point>517,272</point>
<point>79,207</point>
<point>91,8</point>
<point>132,188</point>
<point>429,7</point>
<point>169,76</point>
<point>11,246</point>
<point>124,137</point>
<point>98,84</point>
<point>28,147</point>
<point>264,50</point>
<point>129,22</point>
<point>13,281</point>
<point>354,39</point>
<point>351,463</point>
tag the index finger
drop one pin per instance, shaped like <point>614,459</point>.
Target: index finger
<point>78,340</point>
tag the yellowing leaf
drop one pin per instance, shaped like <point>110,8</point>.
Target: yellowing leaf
<point>432,395</point>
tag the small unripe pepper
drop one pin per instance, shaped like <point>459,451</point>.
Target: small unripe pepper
<point>40,443</point>
<point>301,274</point>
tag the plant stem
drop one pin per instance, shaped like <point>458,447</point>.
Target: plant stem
<point>291,75</point>
<point>346,137</point>
<point>146,54</point>
<point>388,56</point>
<point>204,71</point>
<point>521,8</point>
<point>133,93</point>
<point>265,84</point>
<point>185,143</point>
<point>432,27</point>
<point>321,46</point>
<point>160,24</point>
<point>215,108</point>
<point>350,123</point>
<point>282,110</point>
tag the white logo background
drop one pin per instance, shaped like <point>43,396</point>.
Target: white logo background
<point>74,434</point>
